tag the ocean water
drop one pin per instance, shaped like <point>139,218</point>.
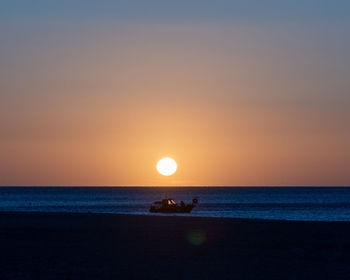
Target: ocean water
<point>279,203</point>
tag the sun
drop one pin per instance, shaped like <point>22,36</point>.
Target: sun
<point>166,166</point>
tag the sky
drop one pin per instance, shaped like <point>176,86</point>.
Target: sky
<point>239,93</point>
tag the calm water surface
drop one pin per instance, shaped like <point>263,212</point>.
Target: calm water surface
<point>282,203</point>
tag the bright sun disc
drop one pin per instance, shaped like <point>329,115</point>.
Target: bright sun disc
<point>166,166</point>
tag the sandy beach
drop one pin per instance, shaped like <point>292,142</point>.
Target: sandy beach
<point>102,246</point>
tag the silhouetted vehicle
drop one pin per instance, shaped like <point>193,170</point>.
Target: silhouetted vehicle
<point>168,205</point>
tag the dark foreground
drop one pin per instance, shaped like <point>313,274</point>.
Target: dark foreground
<point>96,246</point>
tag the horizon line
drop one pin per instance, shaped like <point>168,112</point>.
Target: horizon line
<point>165,186</point>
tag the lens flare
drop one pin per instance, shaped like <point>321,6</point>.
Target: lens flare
<point>196,237</point>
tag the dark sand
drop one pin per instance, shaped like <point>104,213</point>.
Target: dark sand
<point>96,246</point>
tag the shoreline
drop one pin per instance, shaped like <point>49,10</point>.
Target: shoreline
<point>170,215</point>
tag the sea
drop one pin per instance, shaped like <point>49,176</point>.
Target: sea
<point>276,203</point>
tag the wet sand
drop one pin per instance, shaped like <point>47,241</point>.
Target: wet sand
<point>101,246</point>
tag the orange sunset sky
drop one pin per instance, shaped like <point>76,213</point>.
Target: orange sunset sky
<point>238,94</point>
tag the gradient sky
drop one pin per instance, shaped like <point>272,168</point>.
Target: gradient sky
<point>237,92</point>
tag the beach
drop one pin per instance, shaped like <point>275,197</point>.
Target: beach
<point>110,246</point>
